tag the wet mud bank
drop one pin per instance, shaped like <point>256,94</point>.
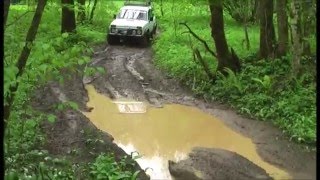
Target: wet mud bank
<point>73,135</point>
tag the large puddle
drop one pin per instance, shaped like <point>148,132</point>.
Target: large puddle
<point>169,133</point>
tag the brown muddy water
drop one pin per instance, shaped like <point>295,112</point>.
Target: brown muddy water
<point>169,133</point>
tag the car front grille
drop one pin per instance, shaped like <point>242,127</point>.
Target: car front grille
<point>125,31</point>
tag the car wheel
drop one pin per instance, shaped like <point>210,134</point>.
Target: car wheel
<point>146,39</point>
<point>154,30</point>
<point>112,40</point>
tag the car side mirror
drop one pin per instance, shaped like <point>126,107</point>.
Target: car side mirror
<point>114,16</point>
<point>151,18</point>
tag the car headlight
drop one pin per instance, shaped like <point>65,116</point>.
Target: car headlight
<point>134,32</point>
<point>139,31</point>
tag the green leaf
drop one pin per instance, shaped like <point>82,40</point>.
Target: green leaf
<point>45,46</point>
<point>101,70</point>
<point>81,61</point>
<point>135,175</point>
<point>43,67</point>
<point>60,107</point>
<point>31,123</point>
<point>73,105</point>
<point>51,118</point>
<point>65,35</point>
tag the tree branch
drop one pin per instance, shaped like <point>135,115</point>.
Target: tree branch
<point>201,40</point>
<point>204,64</point>
<point>18,18</point>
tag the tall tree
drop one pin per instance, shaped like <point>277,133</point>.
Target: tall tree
<point>267,33</point>
<point>282,21</point>
<point>68,22</point>
<point>226,59</point>
<point>24,55</point>
<point>6,5</point>
<point>81,12</point>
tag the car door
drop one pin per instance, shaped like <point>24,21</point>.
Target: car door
<point>150,23</point>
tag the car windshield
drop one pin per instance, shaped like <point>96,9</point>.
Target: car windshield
<point>132,14</point>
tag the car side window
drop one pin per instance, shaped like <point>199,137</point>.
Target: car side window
<point>150,14</point>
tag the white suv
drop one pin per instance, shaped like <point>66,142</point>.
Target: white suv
<point>136,21</point>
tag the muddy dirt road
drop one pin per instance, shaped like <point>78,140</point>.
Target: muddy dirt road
<point>131,74</point>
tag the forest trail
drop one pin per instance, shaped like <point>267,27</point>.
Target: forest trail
<point>132,76</point>
<point>175,120</point>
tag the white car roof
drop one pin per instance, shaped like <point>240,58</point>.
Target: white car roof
<point>143,8</point>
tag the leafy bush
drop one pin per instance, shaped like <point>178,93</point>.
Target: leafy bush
<point>106,167</point>
<point>52,53</point>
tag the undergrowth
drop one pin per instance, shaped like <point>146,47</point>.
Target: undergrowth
<point>263,90</point>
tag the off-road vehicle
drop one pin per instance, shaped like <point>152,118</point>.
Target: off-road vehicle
<point>135,21</point>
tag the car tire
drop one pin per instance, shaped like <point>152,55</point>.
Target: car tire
<point>154,31</point>
<point>145,41</point>
<point>112,40</point>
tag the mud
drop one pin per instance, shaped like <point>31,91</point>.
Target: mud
<point>131,74</point>
<point>213,163</point>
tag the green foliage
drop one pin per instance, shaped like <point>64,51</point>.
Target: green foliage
<point>105,167</point>
<point>243,11</point>
<point>52,55</point>
<point>263,89</point>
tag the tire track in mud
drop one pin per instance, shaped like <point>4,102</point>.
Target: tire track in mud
<point>123,79</point>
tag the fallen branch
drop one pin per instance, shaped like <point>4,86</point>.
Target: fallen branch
<point>201,40</point>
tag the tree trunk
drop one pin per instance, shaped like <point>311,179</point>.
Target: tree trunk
<point>93,9</point>
<point>6,6</point>
<point>267,33</point>
<point>254,12</point>
<point>31,35</point>
<point>68,22</point>
<point>81,13</point>
<point>306,25</point>
<point>297,48</point>
<point>282,19</point>
<point>226,59</point>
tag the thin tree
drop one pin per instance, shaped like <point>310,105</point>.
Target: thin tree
<point>282,20</point>
<point>6,6</point>
<point>226,59</point>
<point>297,47</point>
<point>24,55</point>
<point>267,33</point>
<point>68,22</point>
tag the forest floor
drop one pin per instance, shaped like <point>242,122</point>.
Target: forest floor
<point>130,73</point>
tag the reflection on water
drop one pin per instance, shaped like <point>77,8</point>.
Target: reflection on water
<point>169,133</point>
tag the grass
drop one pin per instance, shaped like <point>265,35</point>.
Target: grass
<point>263,90</point>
